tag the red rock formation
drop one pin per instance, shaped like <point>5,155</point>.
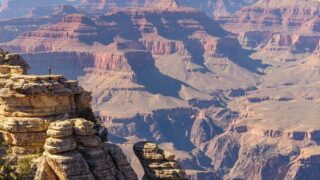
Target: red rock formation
<point>262,20</point>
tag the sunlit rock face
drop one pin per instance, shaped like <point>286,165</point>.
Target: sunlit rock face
<point>72,151</point>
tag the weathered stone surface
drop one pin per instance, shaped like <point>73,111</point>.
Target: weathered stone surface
<point>88,141</point>
<point>100,163</point>
<point>121,163</point>
<point>59,134</point>
<point>81,156</point>
<point>24,139</point>
<point>18,125</point>
<point>22,150</point>
<point>69,165</point>
<point>83,127</point>
<point>158,164</point>
<point>56,146</point>
<point>60,129</point>
<point>44,171</point>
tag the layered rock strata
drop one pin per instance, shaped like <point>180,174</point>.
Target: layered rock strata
<point>277,26</point>
<point>157,163</point>
<point>72,151</point>
<point>30,103</point>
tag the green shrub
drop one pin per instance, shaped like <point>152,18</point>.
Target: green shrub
<point>24,166</point>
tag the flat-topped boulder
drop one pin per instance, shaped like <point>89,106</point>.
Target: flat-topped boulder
<point>37,96</point>
<point>39,85</point>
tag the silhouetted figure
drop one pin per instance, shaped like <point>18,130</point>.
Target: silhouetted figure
<point>50,70</point>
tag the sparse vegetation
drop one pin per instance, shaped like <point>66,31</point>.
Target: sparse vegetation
<point>21,170</point>
<point>7,172</point>
<point>24,167</point>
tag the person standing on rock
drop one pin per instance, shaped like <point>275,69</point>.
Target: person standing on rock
<point>49,70</point>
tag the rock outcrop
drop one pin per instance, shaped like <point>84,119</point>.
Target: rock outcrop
<point>158,164</point>
<point>72,151</point>
<point>30,103</point>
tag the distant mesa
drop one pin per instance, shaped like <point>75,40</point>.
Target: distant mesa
<point>167,4</point>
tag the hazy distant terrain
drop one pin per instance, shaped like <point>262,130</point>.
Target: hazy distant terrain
<point>231,87</point>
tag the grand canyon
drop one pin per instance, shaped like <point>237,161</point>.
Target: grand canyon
<point>207,89</point>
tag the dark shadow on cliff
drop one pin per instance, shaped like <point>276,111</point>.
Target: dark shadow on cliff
<point>232,49</point>
<point>123,27</point>
<point>169,24</point>
<point>168,126</point>
<point>148,75</point>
